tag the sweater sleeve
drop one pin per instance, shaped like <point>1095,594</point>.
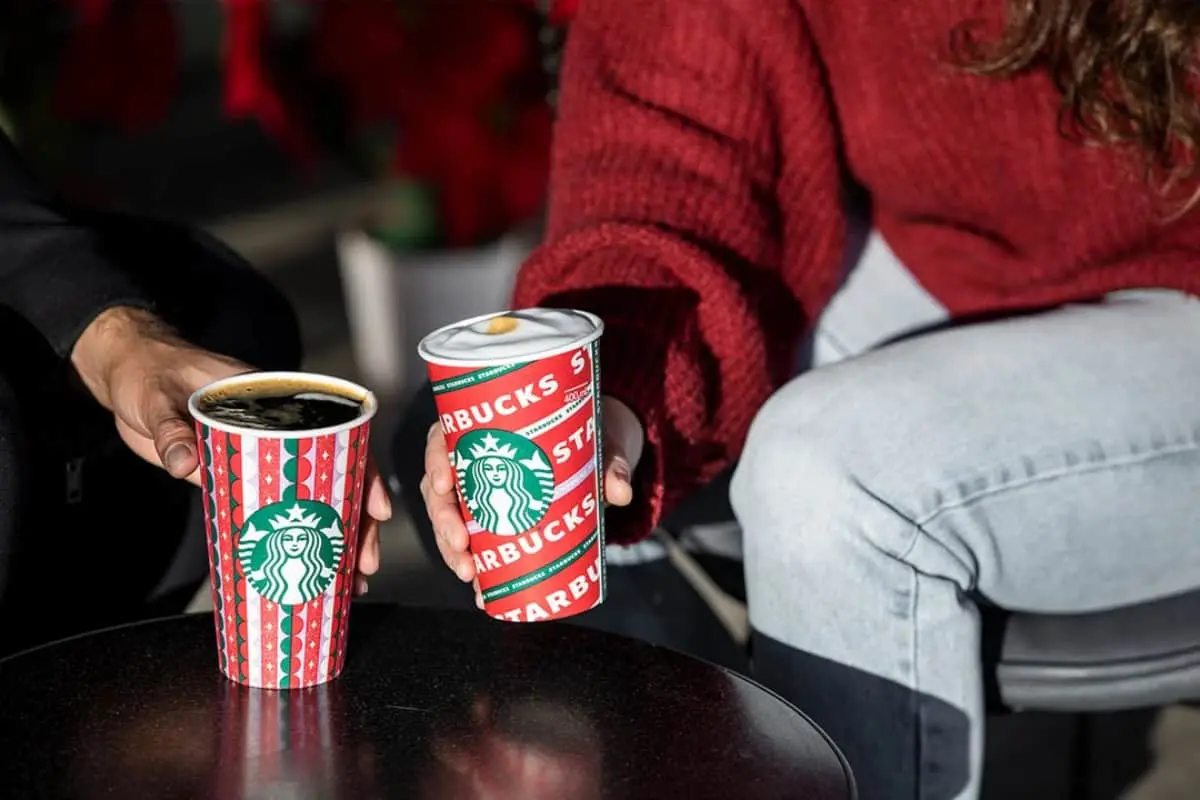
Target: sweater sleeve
<point>695,207</point>
<point>52,269</point>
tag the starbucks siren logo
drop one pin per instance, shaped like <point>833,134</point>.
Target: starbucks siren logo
<point>506,480</point>
<point>290,551</point>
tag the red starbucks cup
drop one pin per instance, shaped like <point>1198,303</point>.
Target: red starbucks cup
<point>518,399</point>
<point>282,501</point>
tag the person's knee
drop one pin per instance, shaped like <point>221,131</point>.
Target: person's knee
<point>823,471</point>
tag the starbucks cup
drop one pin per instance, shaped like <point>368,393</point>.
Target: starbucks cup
<point>518,399</point>
<point>281,513</point>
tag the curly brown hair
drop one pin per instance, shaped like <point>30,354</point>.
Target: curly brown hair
<point>1126,69</point>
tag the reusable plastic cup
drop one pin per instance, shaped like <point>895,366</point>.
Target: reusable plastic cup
<point>281,512</point>
<point>518,397</point>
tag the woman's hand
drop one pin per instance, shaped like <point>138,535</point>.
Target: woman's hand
<point>142,371</point>
<point>623,443</point>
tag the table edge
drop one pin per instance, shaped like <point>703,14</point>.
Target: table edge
<point>87,634</point>
<point>847,772</point>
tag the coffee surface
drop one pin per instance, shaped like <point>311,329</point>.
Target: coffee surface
<point>281,407</point>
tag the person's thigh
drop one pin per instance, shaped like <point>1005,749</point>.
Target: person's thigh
<point>1049,462</point>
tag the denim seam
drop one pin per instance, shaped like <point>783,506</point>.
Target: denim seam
<point>831,338</point>
<point>1054,474</point>
<point>918,529</point>
<point>914,673</point>
<point>915,645</point>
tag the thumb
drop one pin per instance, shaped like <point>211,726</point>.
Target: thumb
<point>623,443</point>
<point>618,481</point>
<point>174,439</point>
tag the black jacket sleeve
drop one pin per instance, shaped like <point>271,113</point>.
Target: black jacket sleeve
<point>53,271</point>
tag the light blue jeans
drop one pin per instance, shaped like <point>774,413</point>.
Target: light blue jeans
<point>1047,463</point>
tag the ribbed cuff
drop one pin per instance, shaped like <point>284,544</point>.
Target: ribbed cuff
<point>633,361</point>
<point>632,370</point>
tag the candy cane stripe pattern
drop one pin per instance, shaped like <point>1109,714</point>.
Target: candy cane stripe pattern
<point>281,511</point>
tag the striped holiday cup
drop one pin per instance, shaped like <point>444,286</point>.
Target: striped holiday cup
<point>283,459</point>
<point>518,397</point>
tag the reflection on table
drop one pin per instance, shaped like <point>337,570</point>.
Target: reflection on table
<point>433,704</point>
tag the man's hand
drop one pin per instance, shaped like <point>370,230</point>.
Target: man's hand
<point>139,369</point>
<point>142,371</point>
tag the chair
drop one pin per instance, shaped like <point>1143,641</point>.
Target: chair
<point>1134,657</point>
<point>1138,657</point>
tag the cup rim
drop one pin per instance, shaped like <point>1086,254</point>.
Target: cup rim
<point>370,404</point>
<point>440,361</point>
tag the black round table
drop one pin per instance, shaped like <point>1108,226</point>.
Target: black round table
<point>432,704</point>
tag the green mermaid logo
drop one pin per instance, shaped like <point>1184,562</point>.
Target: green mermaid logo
<point>506,480</point>
<point>290,551</point>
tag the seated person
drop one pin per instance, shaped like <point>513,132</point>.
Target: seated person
<point>1041,452</point>
<point>109,319</point>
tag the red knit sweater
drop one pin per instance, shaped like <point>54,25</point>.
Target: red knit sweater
<point>696,199</point>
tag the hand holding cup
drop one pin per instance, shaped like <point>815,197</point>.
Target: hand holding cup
<point>523,435</point>
<point>623,443</point>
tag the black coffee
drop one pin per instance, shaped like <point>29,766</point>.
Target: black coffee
<point>278,406</point>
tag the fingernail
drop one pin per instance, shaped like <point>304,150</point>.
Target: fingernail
<point>176,457</point>
<point>361,586</point>
<point>479,601</point>
<point>462,571</point>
